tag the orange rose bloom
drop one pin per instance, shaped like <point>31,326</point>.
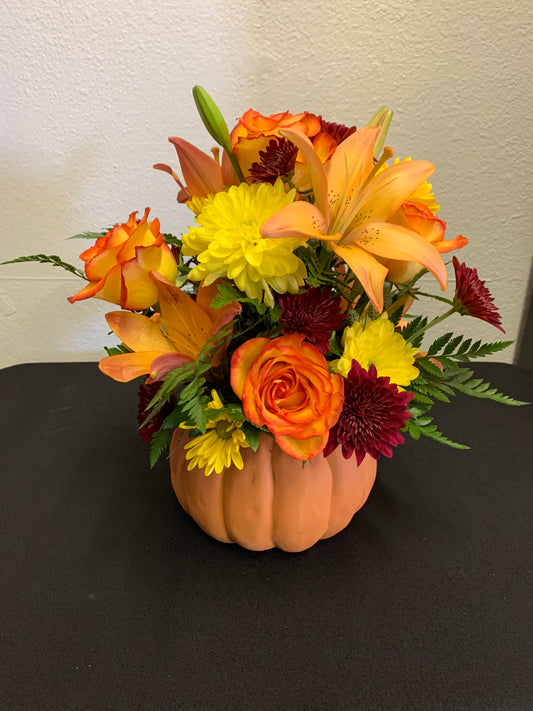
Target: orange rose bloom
<point>254,131</point>
<point>285,385</point>
<point>118,265</point>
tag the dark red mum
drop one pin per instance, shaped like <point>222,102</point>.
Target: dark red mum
<point>277,160</point>
<point>372,416</point>
<point>315,313</point>
<point>472,296</point>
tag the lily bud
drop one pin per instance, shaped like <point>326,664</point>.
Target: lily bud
<point>214,123</point>
<point>381,118</point>
<point>211,116</point>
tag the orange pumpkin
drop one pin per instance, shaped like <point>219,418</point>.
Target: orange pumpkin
<point>274,501</point>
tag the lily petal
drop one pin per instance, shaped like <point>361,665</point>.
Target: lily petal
<point>385,193</point>
<point>128,366</point>
<point>138,332</point>
<point>187,324</point>
<point>163,364</point>
<point>201,172</point>
<point>394,242</point>
<point>316,169</point>
<point>297,219</point>
<point>348,170</point>
<point>367,269</point>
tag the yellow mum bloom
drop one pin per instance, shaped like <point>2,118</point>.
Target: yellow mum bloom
<point>377,342</point>
<point>423,194</point>
<point>220,446</point>
<point>228,242</point>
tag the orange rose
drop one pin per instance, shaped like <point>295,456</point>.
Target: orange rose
<point>417,217</point>
<point>254,131</point>
<point>285,385</point>
<point>118,265</point>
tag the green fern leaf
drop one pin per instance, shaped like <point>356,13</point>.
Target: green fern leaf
<point>48,259</point>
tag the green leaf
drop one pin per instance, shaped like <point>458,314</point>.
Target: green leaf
<point>439,343</point>
<point>50,259</point>
<point>158,444</point>
<point>117,350</point>
<point>452,345</point>
<point>422,426</point>
<point>252,435</point>
<point>172,240</point>
<point>89,235</point>
<point>430,367</point>
<point>227,294</point>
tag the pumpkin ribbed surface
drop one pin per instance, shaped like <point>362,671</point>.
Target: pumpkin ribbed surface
<point>274,501</point>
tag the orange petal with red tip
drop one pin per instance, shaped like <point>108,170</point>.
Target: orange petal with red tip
<point>128,366</point>
<point>420,219</point>
<point>138,291</point>
<point>448,245</point>
<point>243,360</point>
<point>91,289</point>
<point>302,449</point>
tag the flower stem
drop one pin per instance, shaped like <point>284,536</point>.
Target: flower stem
<point>432,323</point>
<point>434,296</point>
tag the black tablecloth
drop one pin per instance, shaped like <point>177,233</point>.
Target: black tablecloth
<point>113,598</point>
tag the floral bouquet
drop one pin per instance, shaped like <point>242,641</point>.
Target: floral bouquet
<point>289,308</point>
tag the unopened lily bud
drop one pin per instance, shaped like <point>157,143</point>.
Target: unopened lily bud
<point>214,123</point>
<point>381,118</point>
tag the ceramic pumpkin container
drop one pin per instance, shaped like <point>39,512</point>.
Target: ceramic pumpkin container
<point>274,501</point>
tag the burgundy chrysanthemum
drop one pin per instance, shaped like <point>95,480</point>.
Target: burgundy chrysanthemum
<point>315,313</point>
<point>145,394</point>
<point>276,160</point>
<point>372,416</point>
<point>338,131</point>
<point>472,296</point>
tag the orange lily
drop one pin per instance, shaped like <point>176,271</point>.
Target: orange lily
<point>167,340</point>
<point>202,174</point>
<point>353,203</point>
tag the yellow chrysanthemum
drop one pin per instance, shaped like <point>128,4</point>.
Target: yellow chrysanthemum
<point>228,242</point>
<point>197,204</point>
<point>377,342</point>
<point>220,446</point>
<point>423,194</point>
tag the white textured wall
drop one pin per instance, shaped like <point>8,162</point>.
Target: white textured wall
<point>91,89</point>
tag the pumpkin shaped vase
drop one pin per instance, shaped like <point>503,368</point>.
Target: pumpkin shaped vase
<point>275,500</point>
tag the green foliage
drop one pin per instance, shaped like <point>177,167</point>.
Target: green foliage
<point>227,294</point>
<point>116,350</point>
<point>171,240</point>
<point>159,443</point>
<point>436,384</point>
<point>50,259</point>
<point>421,424</point>
<point>252,435</point>
<point>409,333</point>
<point>90,235</point>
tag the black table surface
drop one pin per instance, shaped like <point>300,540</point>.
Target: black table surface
<point>112,598</point>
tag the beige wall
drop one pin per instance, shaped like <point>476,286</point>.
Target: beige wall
<point>91,89</point>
